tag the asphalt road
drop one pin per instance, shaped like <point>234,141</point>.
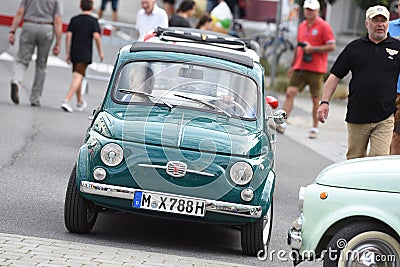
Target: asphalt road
<point>39,147</point>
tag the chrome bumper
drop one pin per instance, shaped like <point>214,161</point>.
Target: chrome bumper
<point>294,238</point>
<point>211,205</point>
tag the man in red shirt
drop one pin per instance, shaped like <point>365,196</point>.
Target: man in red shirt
<point>310,62</point>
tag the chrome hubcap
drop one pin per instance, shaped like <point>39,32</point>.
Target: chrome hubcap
<point>372,253</point>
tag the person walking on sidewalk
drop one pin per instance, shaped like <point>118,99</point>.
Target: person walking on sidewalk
<point>114,7</point>
<point>149,17</point>
<point>82,29</point>
<point>42,20</point>
<point>374,62</point>
<point>310,62</point>
<point>394,31</point>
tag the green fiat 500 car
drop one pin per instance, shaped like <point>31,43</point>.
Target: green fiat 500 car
<point>181,133</point>
<point>350,216</point>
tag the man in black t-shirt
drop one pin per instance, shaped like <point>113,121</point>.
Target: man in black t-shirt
<point>374,62</point>
<point>82,30</point>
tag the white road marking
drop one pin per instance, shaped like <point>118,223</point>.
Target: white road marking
<point>54,61</point>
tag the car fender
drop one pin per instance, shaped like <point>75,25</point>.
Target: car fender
<point>343,205</point>
<point>82,165</point>
<point>268,191</point>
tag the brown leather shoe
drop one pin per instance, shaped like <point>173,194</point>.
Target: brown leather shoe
<point>14,93</point>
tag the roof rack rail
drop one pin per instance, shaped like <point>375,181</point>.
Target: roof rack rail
<point>179,34</point>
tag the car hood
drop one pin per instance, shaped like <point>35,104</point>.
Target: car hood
<point>370,173</point>
<point>224,136</point>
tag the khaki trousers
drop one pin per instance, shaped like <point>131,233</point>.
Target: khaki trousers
<point>39,36</point>
<point>378,135</point>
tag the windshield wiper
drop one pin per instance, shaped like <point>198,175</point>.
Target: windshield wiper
<point>204,103</point>
<point>127,91</point>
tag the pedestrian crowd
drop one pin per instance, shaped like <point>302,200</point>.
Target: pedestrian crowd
<point>373,108</point>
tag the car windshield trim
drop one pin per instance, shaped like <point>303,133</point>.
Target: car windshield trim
<point>127,91</point>
<point>204,103</point>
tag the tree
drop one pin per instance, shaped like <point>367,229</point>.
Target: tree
<point>365,4</point>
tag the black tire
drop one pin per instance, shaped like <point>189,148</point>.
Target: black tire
<point>79,213</point>
<point>254,240</point>
<point>363,239</point>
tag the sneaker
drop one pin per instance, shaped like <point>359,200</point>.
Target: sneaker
<point>81,106</point>
<point>14,93</point>
<point>313,133</point>
<point>66,107</point>
<point>35,104</point>
<point>280,128</point>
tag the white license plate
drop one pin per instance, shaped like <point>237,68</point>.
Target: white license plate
<point>168,203</point>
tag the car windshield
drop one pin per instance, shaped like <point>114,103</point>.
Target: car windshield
<point>187,85</point>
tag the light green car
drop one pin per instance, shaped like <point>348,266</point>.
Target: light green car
<point>350,215</point>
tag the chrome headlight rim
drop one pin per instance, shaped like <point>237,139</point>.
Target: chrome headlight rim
<point>111,154</point>
<point>241,173</point>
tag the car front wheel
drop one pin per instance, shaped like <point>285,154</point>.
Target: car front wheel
<point>79,214</point>
<point>363,244</point>
<point>255,236</point>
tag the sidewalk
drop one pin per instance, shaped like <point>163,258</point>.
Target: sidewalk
<point>17,250</point>
<point>332,136</point>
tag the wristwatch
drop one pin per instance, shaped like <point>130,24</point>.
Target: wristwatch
<point>323,102</point>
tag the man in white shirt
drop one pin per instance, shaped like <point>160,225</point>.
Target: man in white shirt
<point>150,17</point>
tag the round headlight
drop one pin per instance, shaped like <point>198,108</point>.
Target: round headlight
<point>241,173</point>
<point>112,154</point>
<point>99,174</point>
<point>247,194</point>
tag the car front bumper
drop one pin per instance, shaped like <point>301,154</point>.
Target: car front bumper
<point>294,238</point>
<point>294,234</point>
<point>120,192</point>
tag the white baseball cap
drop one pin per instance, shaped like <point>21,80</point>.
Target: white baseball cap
<point>377,10</point>
<point>311,4</point>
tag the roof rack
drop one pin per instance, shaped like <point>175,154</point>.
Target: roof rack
<point>168,47</point>
<point>179,34</point>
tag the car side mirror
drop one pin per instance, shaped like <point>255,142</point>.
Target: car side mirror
<point>279,116</point>
<point>272,101</point>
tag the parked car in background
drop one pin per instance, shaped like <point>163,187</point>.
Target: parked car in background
<point>350,216</point>
<point>182,133</point>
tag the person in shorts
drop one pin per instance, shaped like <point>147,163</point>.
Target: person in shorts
<point>310,62</point>
<point>114,7</point>
<point>82,30</point>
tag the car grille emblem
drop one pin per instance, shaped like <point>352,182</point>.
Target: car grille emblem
<point>176,168</point>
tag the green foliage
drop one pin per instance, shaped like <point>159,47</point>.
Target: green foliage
<point>365,4</point>
<point>281,70</point>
